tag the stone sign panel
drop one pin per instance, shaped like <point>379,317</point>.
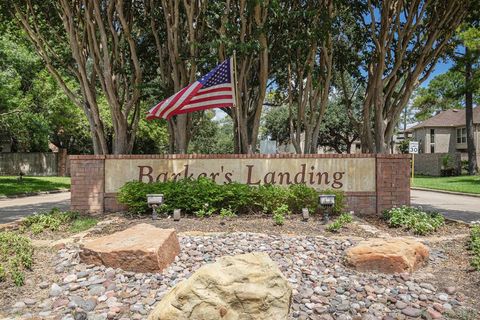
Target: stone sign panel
<point>347,174</point>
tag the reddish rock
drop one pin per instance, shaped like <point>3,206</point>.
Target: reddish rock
<point>434,314</point>
<point>141,248</point>
<point>396,255</point>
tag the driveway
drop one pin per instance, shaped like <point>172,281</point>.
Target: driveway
<point>13,209</point>
<point>452,206</point>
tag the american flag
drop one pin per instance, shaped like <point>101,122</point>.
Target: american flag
<point>213,90</point>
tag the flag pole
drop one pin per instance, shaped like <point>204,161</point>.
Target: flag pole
<point>236,99</point>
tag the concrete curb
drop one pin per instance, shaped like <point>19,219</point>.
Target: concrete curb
<point>32,194</point>
<point>448,192</point>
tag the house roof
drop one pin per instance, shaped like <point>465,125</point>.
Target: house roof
<point>449,118</point>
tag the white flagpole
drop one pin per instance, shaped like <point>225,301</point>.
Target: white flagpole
<point>236,99</point>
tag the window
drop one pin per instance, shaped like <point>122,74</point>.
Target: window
<point>432,140</point>
<point>461,135</point>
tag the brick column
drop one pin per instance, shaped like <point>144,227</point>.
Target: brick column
<point>393,181</point>
<point>88,183</point>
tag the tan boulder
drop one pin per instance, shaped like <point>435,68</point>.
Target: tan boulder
<point>395,255</point>
<point>141,248</point>
<point>247,286</point>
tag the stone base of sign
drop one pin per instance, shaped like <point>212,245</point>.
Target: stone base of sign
<point>142,248</point>
<point>391,176</point>
<point>387,255</point>
<point>247,286</point>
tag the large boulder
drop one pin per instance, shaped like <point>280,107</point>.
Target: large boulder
<point>247,286</point>
<point>395,255</point>
<point>141,248</point>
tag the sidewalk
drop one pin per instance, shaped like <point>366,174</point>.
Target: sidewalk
<point>13,209</point>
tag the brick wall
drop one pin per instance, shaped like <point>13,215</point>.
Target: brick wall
<point>88,183</point>
<point>430,164</point>
<point>392,181</point>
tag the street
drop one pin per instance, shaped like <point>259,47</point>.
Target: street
<point>13,209</point>
<point>456,207</point>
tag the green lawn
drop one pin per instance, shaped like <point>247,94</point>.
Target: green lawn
<point>467,184</point>
<point>10,185</point>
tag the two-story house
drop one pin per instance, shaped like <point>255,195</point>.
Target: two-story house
<point>446,132</point>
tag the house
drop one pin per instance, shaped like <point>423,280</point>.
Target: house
<point>446,132</point>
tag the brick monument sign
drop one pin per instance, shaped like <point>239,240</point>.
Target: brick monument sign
<point>371,182</point>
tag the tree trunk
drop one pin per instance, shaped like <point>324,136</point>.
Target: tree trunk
<point>471,149</point>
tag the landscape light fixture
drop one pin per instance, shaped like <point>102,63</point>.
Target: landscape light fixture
<point>176,214</point>
<point>305,214</point>
<point>154,201</point>
<point>326,201</point>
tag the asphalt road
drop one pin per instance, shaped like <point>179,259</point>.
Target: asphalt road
<point>13,209</point>
<point>457,207</point>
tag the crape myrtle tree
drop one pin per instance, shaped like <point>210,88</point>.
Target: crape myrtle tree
<point>244,26</point>
<point>406,40</point>
<point>95,43</point>
<point>314,40</point>
<point>304,66</point>
<point>191,37</point>
<point>177,30</point>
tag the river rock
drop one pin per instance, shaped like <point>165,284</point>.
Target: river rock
<point>247,286</point>
<point>141,248</point>
<point>387,255</point>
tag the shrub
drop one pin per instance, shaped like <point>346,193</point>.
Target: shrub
<point>300,196</point>
<point>340,222</point>
<point>203,197</point>
<point>415,219</point>
<point>474,246</point>
<point>280,213</point>
<point>55,220</point>
<point>227,213</point>
<point>270,197</point>
<point>16,256</point>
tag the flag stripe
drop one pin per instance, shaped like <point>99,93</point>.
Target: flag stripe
<point>186,96</point>
<point>210,103</point>
<point>203,107</point>
<point>210,96</point>
<point>214,88</point>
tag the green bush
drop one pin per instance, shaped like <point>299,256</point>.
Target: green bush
<point>270,197</point>
<point>227,213</point>
<point>55,220</point>
<point>300,196</point>
<point>280,213</point>
<point>474,246</point>
<point>415,219</point>
<point>203,197</point>
<point>340,222</point>
<point>16,256</point>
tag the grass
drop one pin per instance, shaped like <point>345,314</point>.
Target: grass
<point>9,185</point>
<point>82,224</point>
<point>466,184</point>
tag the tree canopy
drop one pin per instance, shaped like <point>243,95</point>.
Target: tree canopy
<point>349,64</point>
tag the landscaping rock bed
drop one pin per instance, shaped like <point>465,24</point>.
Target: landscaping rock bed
<point>323,288</point>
